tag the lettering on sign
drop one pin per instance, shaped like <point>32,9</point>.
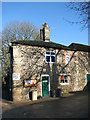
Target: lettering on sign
<point>16,76</point>
<point>28,82</point>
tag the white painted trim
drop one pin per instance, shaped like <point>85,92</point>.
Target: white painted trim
<point>64,83</point>
<point>87,73</point>
<point>65,74</point>
<point>41,83</point>
<point>47,41</point>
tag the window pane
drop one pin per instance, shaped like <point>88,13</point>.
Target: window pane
<point>48,53</point>
<point>66,81</point>
<point>65,77</point>
<point>48,58</point>
<point>52,58</point>
<point>45,78</point>
<point>52,53</point>
<point>61,77</point>
<point>62,81</point>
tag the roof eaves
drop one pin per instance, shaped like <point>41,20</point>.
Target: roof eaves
<point>80,47</point>
<point>40,44</point>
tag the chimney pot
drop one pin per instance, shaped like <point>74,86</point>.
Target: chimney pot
<point>42,25</point>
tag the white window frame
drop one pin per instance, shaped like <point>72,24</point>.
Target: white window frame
<point>67,80</point>
<point>50,56</point>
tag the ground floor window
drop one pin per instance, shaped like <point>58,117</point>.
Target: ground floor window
<point>64,79</point>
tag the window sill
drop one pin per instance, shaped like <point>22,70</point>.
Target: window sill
<point>50,62</point>
<point>64,83</point>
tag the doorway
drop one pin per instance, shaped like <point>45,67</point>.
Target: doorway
<point>88,77</point>
<point>45,79</point>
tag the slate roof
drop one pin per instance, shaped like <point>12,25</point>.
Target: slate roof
<point>40,44</point>
<point>73,46</point>
<point>80,47</point>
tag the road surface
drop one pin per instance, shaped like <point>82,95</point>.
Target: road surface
<point>75,106</point>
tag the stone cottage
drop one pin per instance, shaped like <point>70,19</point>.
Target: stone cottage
<point>47,67</point>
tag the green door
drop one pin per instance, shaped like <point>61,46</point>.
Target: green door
<point>88,78</point>
<point>45,86</point>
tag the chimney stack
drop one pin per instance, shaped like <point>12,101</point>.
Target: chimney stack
<point>44,33</point>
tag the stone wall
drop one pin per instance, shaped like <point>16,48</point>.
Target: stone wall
<point>83,68</point>
<point>30,62</point>
<point>78,68</point>
<point>67,69</point>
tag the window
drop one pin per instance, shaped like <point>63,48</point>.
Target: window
<point>50,57</point>
<point>64,79</point>
<point>67,58</point>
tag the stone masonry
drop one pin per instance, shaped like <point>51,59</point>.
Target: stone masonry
<point>30,62</point>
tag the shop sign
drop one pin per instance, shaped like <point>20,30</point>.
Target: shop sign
<point>28,82</point>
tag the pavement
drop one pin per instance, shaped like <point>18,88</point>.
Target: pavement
<point>72,106</point>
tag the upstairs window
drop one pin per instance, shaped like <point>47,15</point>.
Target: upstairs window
<point>50,57</point>
<point>67,58</point>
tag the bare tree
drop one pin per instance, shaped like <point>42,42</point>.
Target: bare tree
<point>15,30</point>
<point>82,9</point>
